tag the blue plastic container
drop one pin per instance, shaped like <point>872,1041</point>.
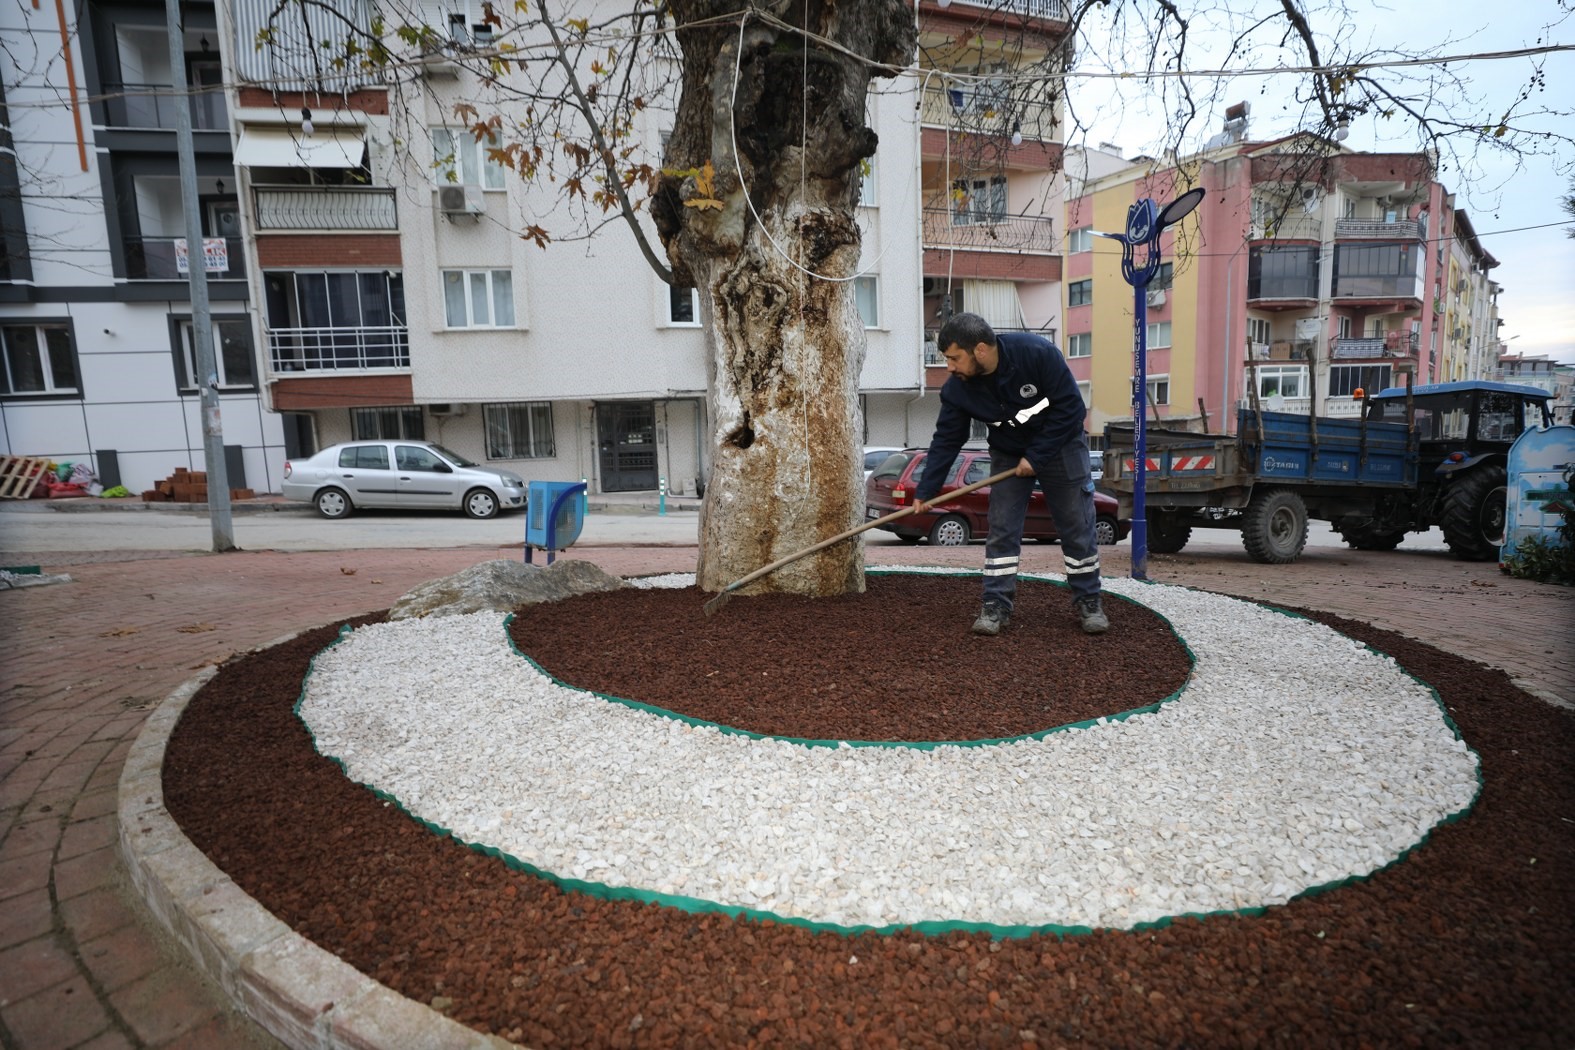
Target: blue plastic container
<point>554,516</point>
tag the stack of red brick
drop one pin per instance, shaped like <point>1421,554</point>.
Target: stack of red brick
<point>187,486</point>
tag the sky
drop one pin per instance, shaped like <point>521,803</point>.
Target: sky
<point>1514,205</point>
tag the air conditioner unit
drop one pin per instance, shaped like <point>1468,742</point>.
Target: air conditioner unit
<point>1460,286</point>
<point>934,285</point>
<point>461,200</point>
<point>1155,297</point>
<point>447,409</point>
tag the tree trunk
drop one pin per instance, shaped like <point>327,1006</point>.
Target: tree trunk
<point>767,235</point>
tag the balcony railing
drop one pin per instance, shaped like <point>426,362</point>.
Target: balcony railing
<point>326,208</point>
<point>944,228</point>
<point>1054,10</point>
<point>338,349</point>
<point>1378,286</point>
<point>933,358</point>
<point>153,106</point>
<point>983,108</point>
<point>1291,226</point>
<point>157,259</point>
<point>1378,230</point>
<point>1395,344</point>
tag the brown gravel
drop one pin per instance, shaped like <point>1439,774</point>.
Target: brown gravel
<point>1468,942</point>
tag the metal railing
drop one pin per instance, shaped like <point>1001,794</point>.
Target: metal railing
<point>338,349</point>
<point>1378,230</point>
<point>982,108</point>
<point>153,106</point>
<point>945,228</point>
<point>1291,226</point>
<point>326,208</point>
<point>157,259</point>
<point>1055,10</point>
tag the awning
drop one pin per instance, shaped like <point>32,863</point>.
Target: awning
<point>288,148</point>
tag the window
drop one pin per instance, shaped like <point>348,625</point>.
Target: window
<point>364,457</point>
<point>336,320</point>
<point>978,202</point>
<point>1282,381</point>
<point>232,354</point>
<point>683,305</point>
<point>1085,390</point>
<point>414,457</point>
<point>1158,335</point>
<point>390,424</point>
<point>519,431</point>
<point>1345,328</point>
<point>39,359</point>
<point>1080,293</point>
<point>1080,344</point>
<point>1159,390</point>
<point>1080,240</point>
<point>866,292</point>
<point>867,198</point>
<point>1258,331</point>
<point>1346,380</point>
<point>1283,273</point>
<point>1164,278</point>
<point>459,158</point>
<point>478,298</point>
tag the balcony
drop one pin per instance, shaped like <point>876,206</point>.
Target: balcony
<point>326,208</point>
<point>1395,344</point>
<point>983,107</point>
<point>153,106</point>
<point>338,349</point>
<point>1290,227</point>
<point>1378,230</point>
<point>164,258</point>
<point>1053,10</point>
<point>944,228</point>
<point>1378,286</point>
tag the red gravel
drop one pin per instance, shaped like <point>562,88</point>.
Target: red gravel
<point>1468,942</point>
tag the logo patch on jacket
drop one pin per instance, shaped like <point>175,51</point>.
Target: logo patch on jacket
<point>1028,390</point>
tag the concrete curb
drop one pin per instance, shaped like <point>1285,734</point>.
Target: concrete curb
<point>306,997</point>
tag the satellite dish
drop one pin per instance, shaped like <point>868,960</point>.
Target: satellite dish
<point>1181,207</point>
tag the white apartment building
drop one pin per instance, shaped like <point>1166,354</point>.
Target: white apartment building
<point>378,284</point>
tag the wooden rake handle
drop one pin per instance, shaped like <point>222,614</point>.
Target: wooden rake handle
<point>865,527</point>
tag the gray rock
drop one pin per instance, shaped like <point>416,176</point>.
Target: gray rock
<point>502,585</point>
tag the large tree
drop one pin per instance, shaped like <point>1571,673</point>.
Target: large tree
<point>754,198</point>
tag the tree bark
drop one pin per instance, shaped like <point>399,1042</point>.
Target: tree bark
<point>770,248</point>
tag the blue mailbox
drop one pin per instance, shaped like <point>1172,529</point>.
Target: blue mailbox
<point>554,516</point>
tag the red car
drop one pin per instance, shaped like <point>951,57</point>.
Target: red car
<point>891,487</point>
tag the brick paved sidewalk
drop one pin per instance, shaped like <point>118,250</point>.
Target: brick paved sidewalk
<point>81,664</point>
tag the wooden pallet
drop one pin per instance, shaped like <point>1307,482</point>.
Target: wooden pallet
<point>20,475</point>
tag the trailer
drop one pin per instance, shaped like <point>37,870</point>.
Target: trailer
<point>1414,458</point>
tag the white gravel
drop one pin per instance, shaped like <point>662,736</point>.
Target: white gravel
<point>1294,757</point>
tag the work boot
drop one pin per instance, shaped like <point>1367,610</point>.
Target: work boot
<point>1091,614</point>
<point>992,620</point>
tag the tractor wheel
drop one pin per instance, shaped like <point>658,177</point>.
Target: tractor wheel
<point>1372,538</point>
<point>1167,534</point>
<point>1473,513</point>
<point>1274,526</point>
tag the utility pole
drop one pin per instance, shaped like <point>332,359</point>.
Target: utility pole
<point>207,377</point>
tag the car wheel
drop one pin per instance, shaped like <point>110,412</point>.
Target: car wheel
<point>481,503</point>
<point>333,503</point>
<point>1105,531</point>
<point>950,531</point>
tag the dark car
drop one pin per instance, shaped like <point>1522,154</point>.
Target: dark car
<point>891,487</point>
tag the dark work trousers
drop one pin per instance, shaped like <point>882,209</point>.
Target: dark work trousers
<point>1069,493</point>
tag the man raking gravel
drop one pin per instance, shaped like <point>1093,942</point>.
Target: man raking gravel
<point>1018,384</point>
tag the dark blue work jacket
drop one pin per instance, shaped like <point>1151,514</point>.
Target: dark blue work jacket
<point>1030,402</point>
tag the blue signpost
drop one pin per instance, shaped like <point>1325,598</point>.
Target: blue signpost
<point>1145,222</point>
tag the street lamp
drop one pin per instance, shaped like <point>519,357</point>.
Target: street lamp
<point>1145,222</point>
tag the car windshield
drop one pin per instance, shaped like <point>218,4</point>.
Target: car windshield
<point>453,457</point>
<point>892,466</point>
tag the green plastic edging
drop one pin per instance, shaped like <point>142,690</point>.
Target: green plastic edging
<point>931,927</point>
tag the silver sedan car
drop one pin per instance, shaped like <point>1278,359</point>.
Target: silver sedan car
<point>403,475</point>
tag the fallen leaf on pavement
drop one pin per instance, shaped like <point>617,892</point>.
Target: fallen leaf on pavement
<point>347,572</point>
<point>120,632</point>
<point>196,628</point>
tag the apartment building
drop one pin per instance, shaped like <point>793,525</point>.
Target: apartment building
<point>366,268</point>
<point>1308,273</point>
<point>95,306</point>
